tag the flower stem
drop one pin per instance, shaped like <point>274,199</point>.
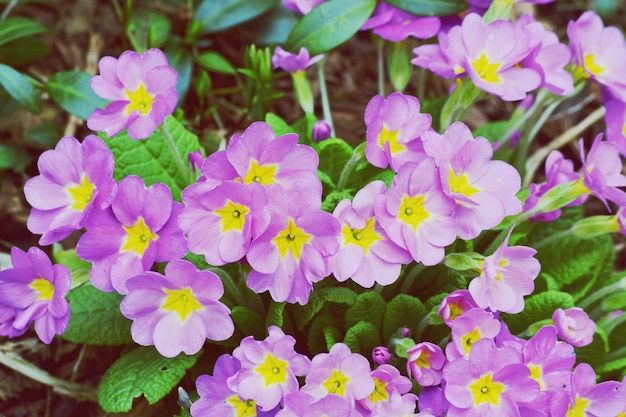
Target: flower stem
<point>357,156</point>
<point>169,141</point>
<point>619,286</point>
<point>381,67</point>
<point>70,389</point>
<point>324,97</point>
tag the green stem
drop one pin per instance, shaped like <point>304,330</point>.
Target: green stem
<point>602,293</point>
<point>16,363</point>
<point>525,115</point>
<point>410,277</point>
<point>324,96</point>
<point>570,134</point>
<point>553,238</point>
<point>169,141</point>
<point>357,156</point>
<point>616,354</point>
<point>381,67</point>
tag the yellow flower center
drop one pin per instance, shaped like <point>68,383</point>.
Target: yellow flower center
<point>138,237</point>
<point>459,184</point>
<point>273,370</point>
<point>469,339</point>
<point>336,383</point>
<point>412,210</point>
<point>536,373</point>
<point>140,100</point>
<point>242,408</point>
<point>82,193</point>
<point>385,136</point>
<point>422,360</point>
<point>486,70</point>
<point>363,238</point>
<point>578,409</point>
<point>183,302</point>
<point>485,390</point>
<point>263,174</point>
<point>233,216</point>
<point>455,310</point>
<point>291,239</point>
<point>591,66</point>
<point>380,391</point>
<point>43,287</point>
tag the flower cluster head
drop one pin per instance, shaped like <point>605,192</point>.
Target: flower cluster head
<point>137,230</point>
<point>504,59</point>
<point>142,90</point>
<point>178,311</point>
<point>34,290</point>
<point>291,62</point>
<point>73,178</point>
<point>395,25</point>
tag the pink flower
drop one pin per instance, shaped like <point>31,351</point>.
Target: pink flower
<point>615,120</point>
<point>178,311</point>
<point>300,404</point>
<point>601,172</point>
<point>73,178</point>
<point>469,328</point>
<point>291,62</point>
<point>416,214</point>
<point>142,89</point>
<point>302,6</point>
<point>395,24</point>
<point>387,382</point>
<point>381,355</point>
<point>268,368</point>
<point>34,290</point>
<point>455,304</point>
<point>574,326</point>
<point>425,363</point>
<point>507,276</point>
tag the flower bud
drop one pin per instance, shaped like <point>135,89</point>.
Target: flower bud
<point>381,355</point>
<point>574,326</point>
<point>321,131</point>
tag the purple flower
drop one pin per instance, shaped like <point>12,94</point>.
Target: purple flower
<point>599,52</point>
<point>302,6</point>
<point>507,276</point>
<point>574,326</point>
<point>455,304</point>
<point>291,62</point>
<point>425,362</point>
<point>34,290</point>
<point>416,214</point>
<point>381,355</point>
<point>177,312</point>
<point>300,404</point>
<point>615,120</point>
<point>366,254</point>
<point>293,251</point>
<point>491,382</point>
<point>73,177</point>
<point>469,328</point>
<point>398,405</point>
<point>126,239</point>
<point>395,25</point>
<point>602,172</point>
<point>268,368</point>
<point>387,382</point>
<point>394,130</point>
<point>321,131</point>
<point>339,372</point>
<point>221,222</point>
<point>142,89</point>
<point>483,189</point>
<point>432,400</point>
<point>587,398</point>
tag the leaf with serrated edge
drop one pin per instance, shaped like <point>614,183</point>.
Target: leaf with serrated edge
<point>402,311</point>
<point>362,337</point>
<point>145,372</point>
<point>369,306</point>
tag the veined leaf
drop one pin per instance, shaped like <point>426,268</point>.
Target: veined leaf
<point>362,338</point>
<point>20,88</point>
<point>13,28</point>
<point>72,91</point>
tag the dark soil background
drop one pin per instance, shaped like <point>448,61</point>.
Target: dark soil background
<point>81,32</point>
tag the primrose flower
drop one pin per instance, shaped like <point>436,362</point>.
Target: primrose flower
<point>321,131</point>
<point>396,25</point>
<point>587,398</point>
<point>73,178</point>
<point>490,382</point>
<point>599,52</point>
<point>217,399</point>
<point>574,326</point>
<point>268,368</point>
<point>387,381</point>
<point>257,155</point>
<point>177,312</point>
<point>339,372</point>
<point>425,362</point>
<point>302,6</point>
<point>398,405</point>
<point>291,62</point>
<point>601,172</point>
<point>433,401</point>
<point>455,304</point>
<point>416,214</point>
<point>483,189</point>
<point>469,328</point>
<point>507,276</point>
<point>221,222</point>
<point>126,239</point>
<point>366,254</point>
<point>300,404</point>
<point>142,89</point>
<point>293,251</point>
<point>615,120</point>
<point>394,129</point>
<point>34,290</point>
<point>381,355</point>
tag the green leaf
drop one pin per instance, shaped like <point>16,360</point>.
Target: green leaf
<point>46,133</point>
<point>329,25</point>
<point>278,124</point>
<point>179,57</point>
<point>216,15</point>
<point>614,302</point>
<point>334,153</point>
<point>151,158</point>
<point>333,198</point>
<point>430,7</point>
<point>215,62</point>
<point>594,353</point>
<point>96,318</point>
<point>20,88</point>
<point>369,306</point>
<point>275,314</point>
<point>23,51</point>
<point>249,322</point>
<point>14,158</point>
<point>612,366</point>
<point>72,91</point>
<point>322,333</point>
<point>145,372</point>
<point>362,338</point>
<point>68,258</point>
<point>402,311</point>
<point>148,29</point>
<point>538,307</point>
<point>340,295</point>
<point>13,28</point>
<point>274,26</point>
